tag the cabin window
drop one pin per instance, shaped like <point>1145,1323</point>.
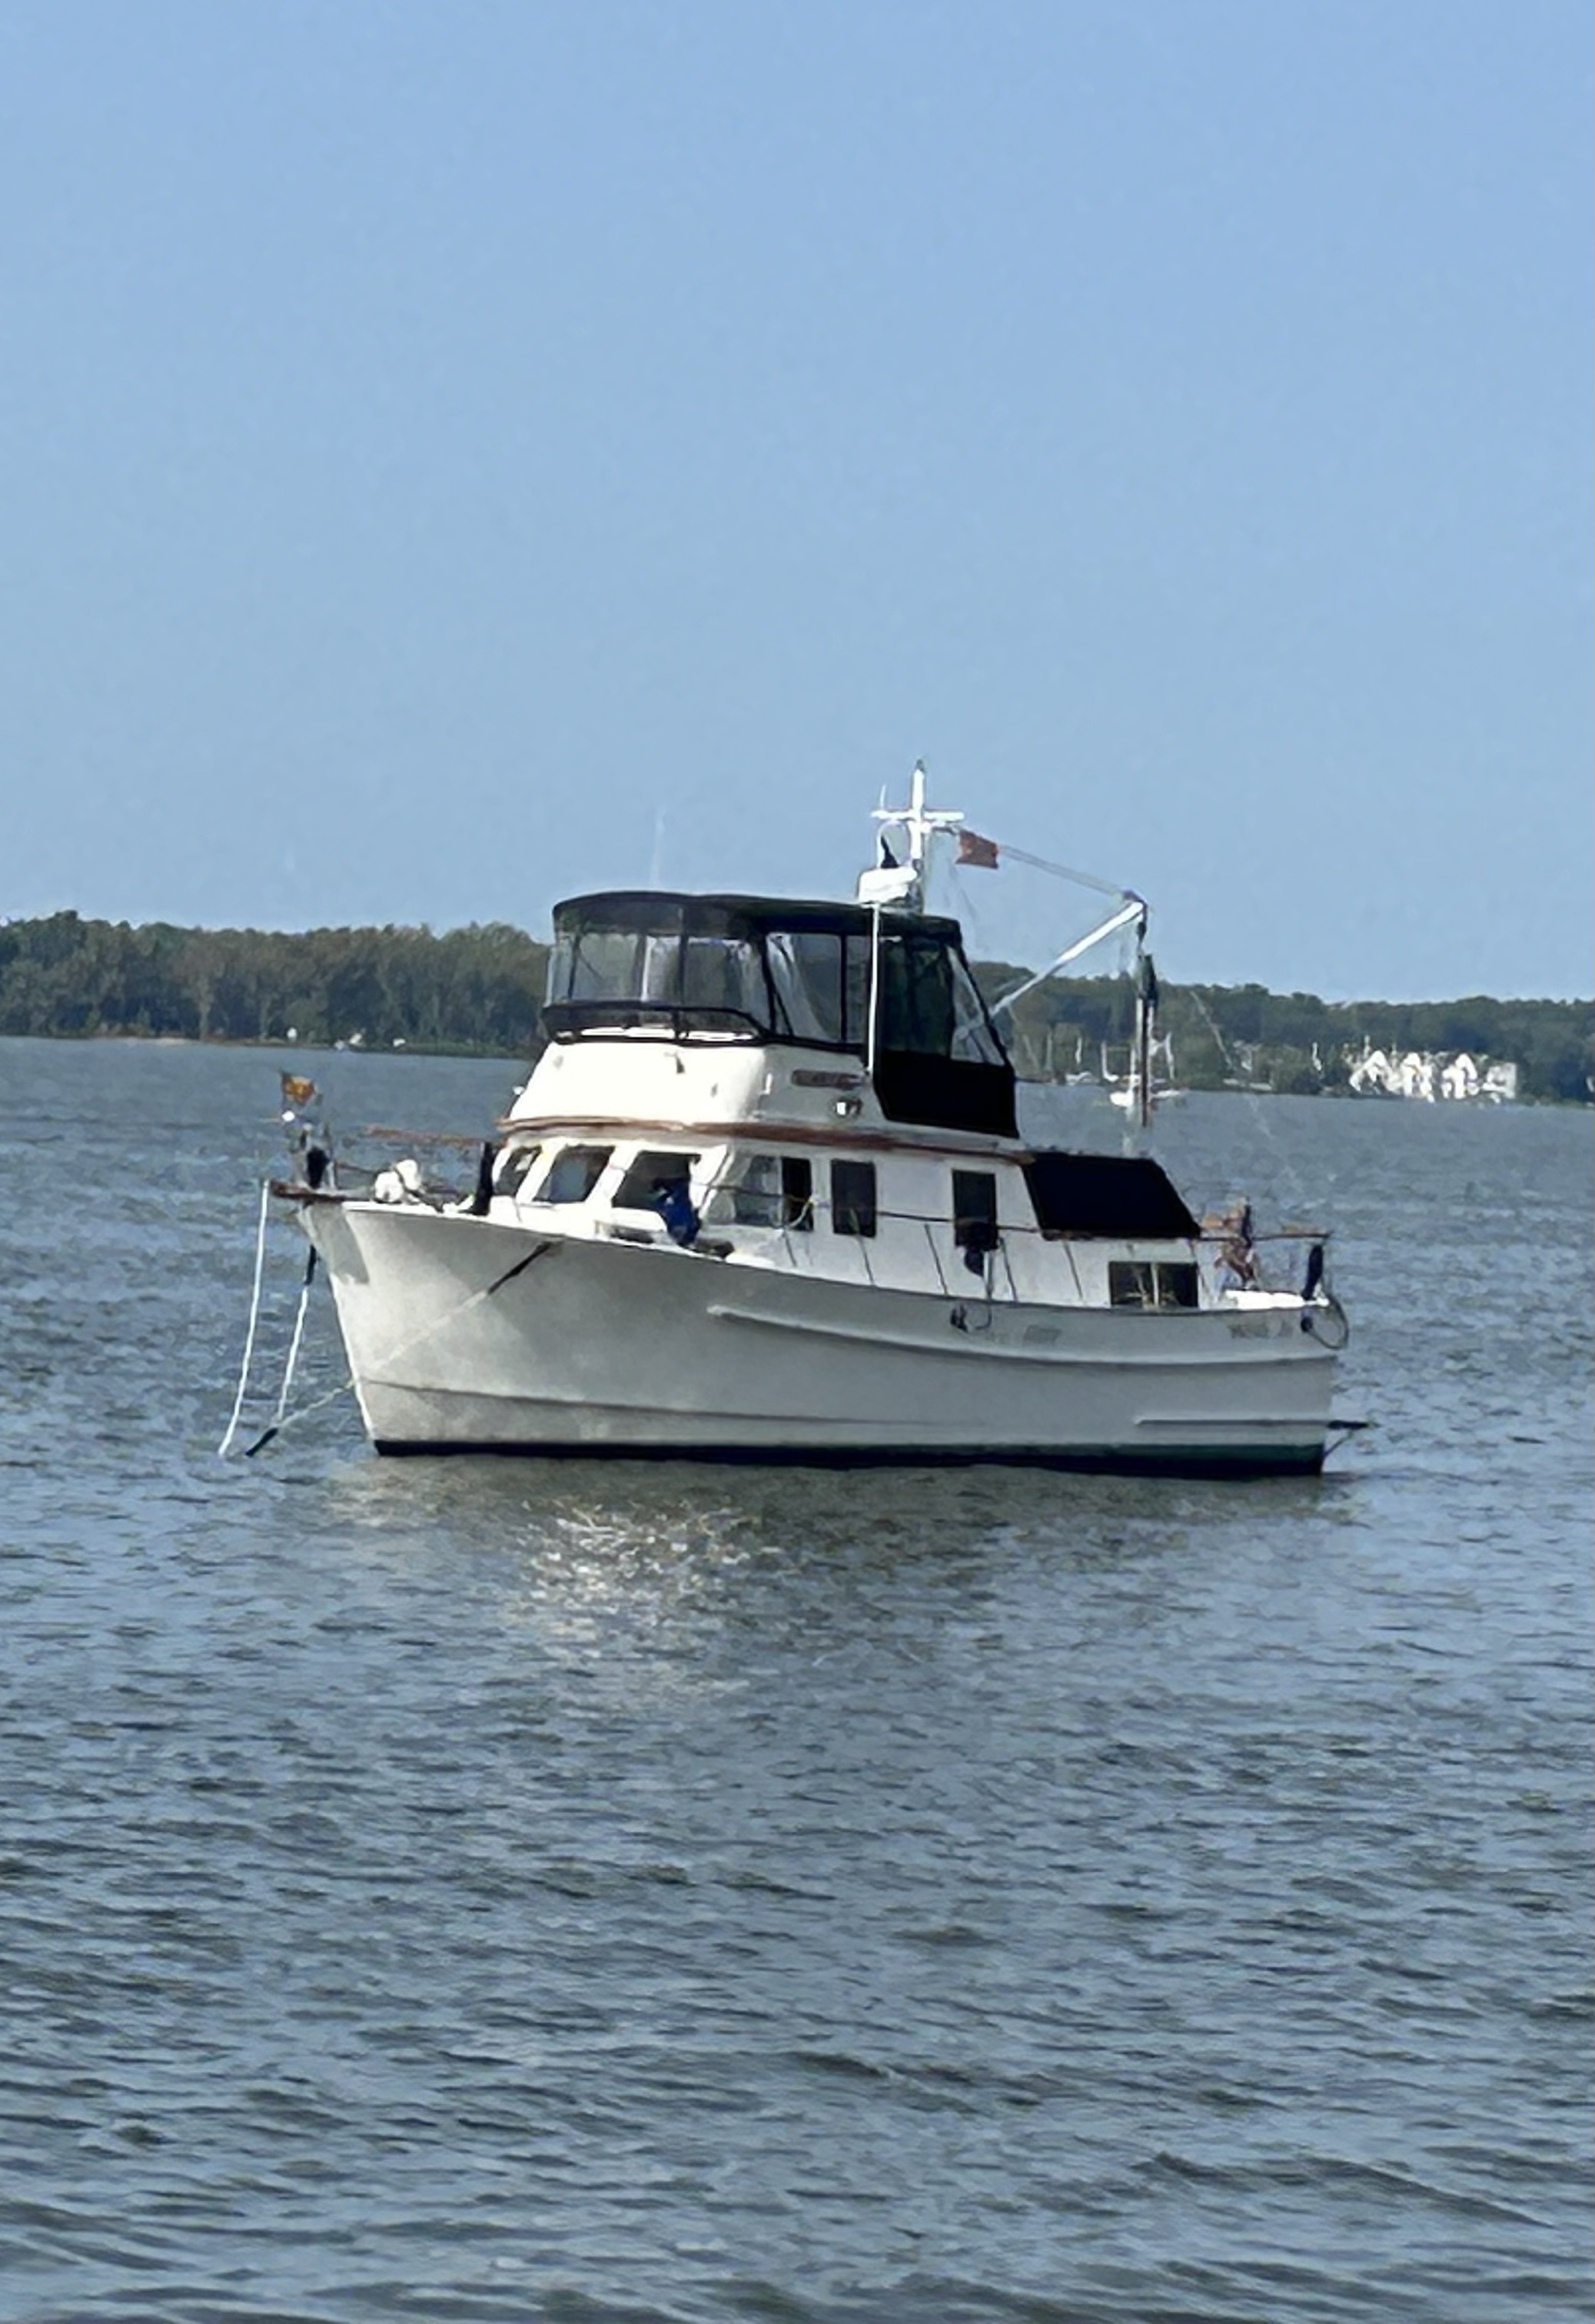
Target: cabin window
<point>853,1198</point>
<point>1148,1283</point>
<point>974,1210</point>
<point>797,1191</point>
<point>748,1194</point>
<point>637,1190</point>
<point>574,1174</point>
<point>515,1168</point>
<point>767,1190</point>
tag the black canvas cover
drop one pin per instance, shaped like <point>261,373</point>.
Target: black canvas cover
<point>946,1093</point>
<point>656,912</point>
<point>1121,1195</point>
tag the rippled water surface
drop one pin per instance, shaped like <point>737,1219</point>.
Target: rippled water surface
<point>492,1890</point>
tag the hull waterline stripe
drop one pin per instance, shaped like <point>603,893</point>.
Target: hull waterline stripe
<point>1170,1461</point>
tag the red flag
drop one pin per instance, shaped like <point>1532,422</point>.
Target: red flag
<point>297,1091</point>
<point>974,849</point>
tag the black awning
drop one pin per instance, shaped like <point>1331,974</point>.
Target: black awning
<point>1125,1194</point>
<point>641,911</point>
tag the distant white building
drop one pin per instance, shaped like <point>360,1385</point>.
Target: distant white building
<point>1370,1075</point>
<point>1414,1076</point>
<point>1429,1076</point>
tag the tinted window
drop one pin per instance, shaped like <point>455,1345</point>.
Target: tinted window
<point>853,1198</point>
<point>513,1170</point>
<point>797,1191</point>
<point>575,1174</point>
<point>637,1190</point>
<point>974,1210</point>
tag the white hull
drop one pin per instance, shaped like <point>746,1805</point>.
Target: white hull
<point>467,1334</point>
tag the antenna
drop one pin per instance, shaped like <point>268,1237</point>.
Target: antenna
<point>890,882</point>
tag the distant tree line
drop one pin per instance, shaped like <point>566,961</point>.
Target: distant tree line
<point>1228,1034</point>
<point>473,988</point>
<point>480,989</point>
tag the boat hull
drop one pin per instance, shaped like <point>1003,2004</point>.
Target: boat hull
<point>467,1335</point>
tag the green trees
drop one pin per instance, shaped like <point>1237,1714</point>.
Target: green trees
<point>475,988</point>
<point>481,988</point>
<point>1290,1041</point>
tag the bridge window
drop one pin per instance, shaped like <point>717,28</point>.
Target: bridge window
<point>805,970</point>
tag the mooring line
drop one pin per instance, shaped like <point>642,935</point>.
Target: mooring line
<point>255,1313</point>
<point>298,1334</point>
<point>283,1419</point>
<point>280,1415</point>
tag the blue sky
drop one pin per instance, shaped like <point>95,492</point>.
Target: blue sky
<point>457,456</point>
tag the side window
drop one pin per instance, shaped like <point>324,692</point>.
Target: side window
<point>574,1174</point>
<point>1141,1283</point>
<point>974,1210</point>
<point>775,1190</point>
<point>853,1198</point>
<point>638,1188</point>
<point>797,1192</point>
<point>769,1190</point>
<point>515,1168</point>
<point>748,1194</point>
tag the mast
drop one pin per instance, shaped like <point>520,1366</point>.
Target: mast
<point>889,881</point>
<point>1141,1071</point>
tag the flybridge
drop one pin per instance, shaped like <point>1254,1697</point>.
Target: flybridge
<point>893,988</point>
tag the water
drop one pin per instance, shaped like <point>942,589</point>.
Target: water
<point>491,1891</point>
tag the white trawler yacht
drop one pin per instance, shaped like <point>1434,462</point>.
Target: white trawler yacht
<point>764,1195</point>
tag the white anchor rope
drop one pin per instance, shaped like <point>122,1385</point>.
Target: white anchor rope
<point>288,1418</point>
<point>254,1313</point>
<point>284,1419</point>
<point>294,1344</point>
